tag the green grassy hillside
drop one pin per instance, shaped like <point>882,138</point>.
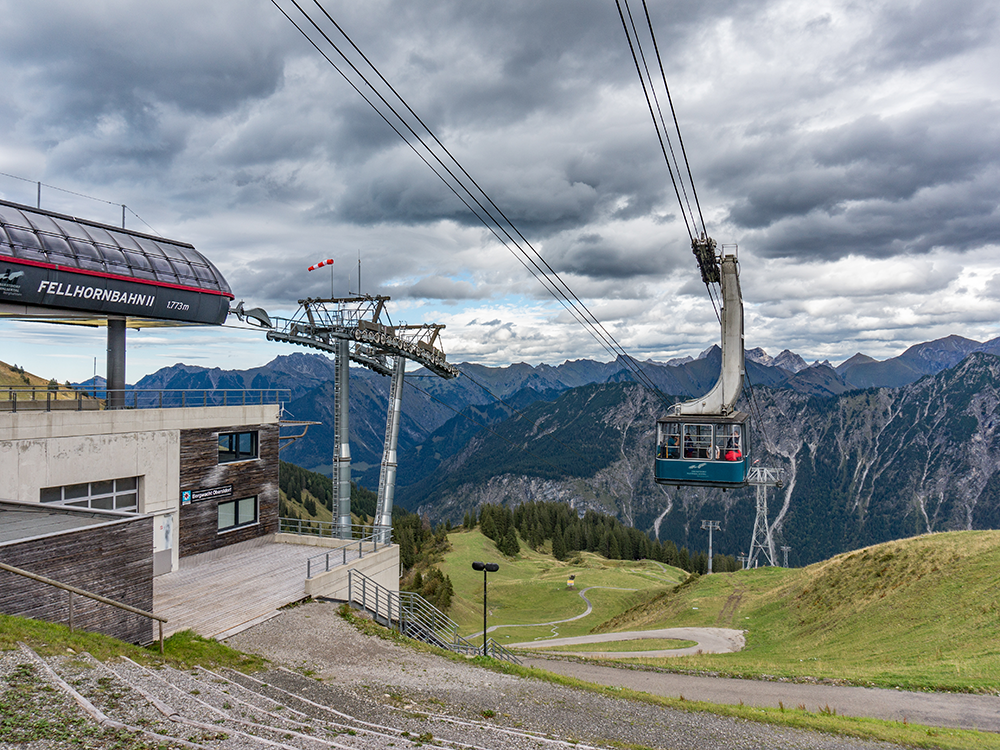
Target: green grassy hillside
<point>531,588</point>
<point>914,613</point>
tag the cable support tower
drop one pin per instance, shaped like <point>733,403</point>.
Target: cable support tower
<point>357,329</point>
<point>762,541</point>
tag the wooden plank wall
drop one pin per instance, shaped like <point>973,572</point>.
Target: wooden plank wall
<point>113,560</point>
<point>200,469</point>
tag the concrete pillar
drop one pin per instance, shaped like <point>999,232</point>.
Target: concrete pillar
<point>116,363</point>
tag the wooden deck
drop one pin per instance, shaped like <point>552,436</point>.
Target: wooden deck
<point>220,593</point>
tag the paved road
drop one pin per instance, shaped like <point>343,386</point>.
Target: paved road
<point>933,709</point>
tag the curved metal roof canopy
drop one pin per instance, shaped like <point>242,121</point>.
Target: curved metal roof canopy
<point>57,267</point>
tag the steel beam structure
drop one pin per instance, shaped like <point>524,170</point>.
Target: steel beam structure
<point>115,383</point>
<point>341,438</point>
<point>351,328</point>
<point>762,540</point>
<point>387,474</point>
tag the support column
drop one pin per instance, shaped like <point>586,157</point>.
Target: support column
<point>387,475</point>
<point>116,364</point>
<point>341,439</point>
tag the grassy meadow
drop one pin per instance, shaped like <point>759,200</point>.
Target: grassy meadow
<point>921,613</point>
<point>532,589</point>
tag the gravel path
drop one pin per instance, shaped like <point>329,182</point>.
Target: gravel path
<point>707,641</point>
<point>381,681</point>
<point>958,710</point>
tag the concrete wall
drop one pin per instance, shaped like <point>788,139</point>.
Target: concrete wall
<point>51,449</point>
<point>382,566</point>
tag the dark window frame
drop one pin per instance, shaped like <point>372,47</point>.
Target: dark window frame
<point>122,495</point>
<point>238,522</point>
<point>232,447</point>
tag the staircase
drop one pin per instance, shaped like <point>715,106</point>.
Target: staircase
<point>415,617</point>
<point>85,702</point>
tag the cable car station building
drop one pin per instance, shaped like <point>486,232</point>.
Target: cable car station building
<point>105,496</point>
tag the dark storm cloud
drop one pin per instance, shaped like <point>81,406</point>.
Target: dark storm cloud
<point>878,186</point>
<point>86,73</point>
<point>601,258</point>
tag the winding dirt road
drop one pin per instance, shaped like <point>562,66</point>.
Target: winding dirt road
<point>980,712</point>
<point>707,641</point>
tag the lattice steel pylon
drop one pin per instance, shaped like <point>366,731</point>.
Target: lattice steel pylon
<point>762,540</point>
<point>351,328</point>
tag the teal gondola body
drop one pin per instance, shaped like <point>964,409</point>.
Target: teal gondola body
<point>702,450</point>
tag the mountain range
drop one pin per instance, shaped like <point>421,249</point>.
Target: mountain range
<point>871,450</point>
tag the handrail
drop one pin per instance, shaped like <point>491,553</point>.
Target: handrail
<point>375,536</point>
<point>494,648</point>
<point>97,597</point>
<point>133,398</point>
<point>412,615</point>
<point>331,529</point>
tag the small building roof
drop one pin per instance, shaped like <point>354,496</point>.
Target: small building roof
<point>52,261</point>
<point>21,521</point>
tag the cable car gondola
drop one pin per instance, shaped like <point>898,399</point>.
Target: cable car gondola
<point>704,442</point>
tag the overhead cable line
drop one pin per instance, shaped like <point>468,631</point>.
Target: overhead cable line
<point>692,216</point>
<point>460,182</point>
<point>673,113</point>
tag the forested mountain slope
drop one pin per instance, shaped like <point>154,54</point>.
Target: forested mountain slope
<point>860,467</point>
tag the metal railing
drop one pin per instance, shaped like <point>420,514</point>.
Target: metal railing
<point>361,540</point>
<point>34,397</point>
<point>90,595</point>
<point>37,398</point>
<point>415,617</point>
<point>329,529</point>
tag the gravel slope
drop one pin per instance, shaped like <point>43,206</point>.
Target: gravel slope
<point>381,681</point>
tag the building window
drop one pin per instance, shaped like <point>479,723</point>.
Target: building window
<point>237,446</point>
<point>236,513</point>
<point>110,494</point>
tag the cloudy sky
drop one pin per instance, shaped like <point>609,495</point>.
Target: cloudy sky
<point>851,150</point>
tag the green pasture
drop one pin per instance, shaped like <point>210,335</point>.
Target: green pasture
<point>532,588</point>
<point>919,613</point>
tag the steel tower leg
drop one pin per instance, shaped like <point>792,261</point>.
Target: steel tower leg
<point>387,476</point>
<point>116,364</point>
<point>341,439</point>
<point>762,539</point>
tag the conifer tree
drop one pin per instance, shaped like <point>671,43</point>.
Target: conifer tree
<point>509,545</point>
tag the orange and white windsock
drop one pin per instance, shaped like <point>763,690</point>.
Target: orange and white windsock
<point>321,264</point>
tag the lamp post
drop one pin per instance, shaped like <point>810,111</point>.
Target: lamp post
<point>486,568</point>
<point>711,526</point>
